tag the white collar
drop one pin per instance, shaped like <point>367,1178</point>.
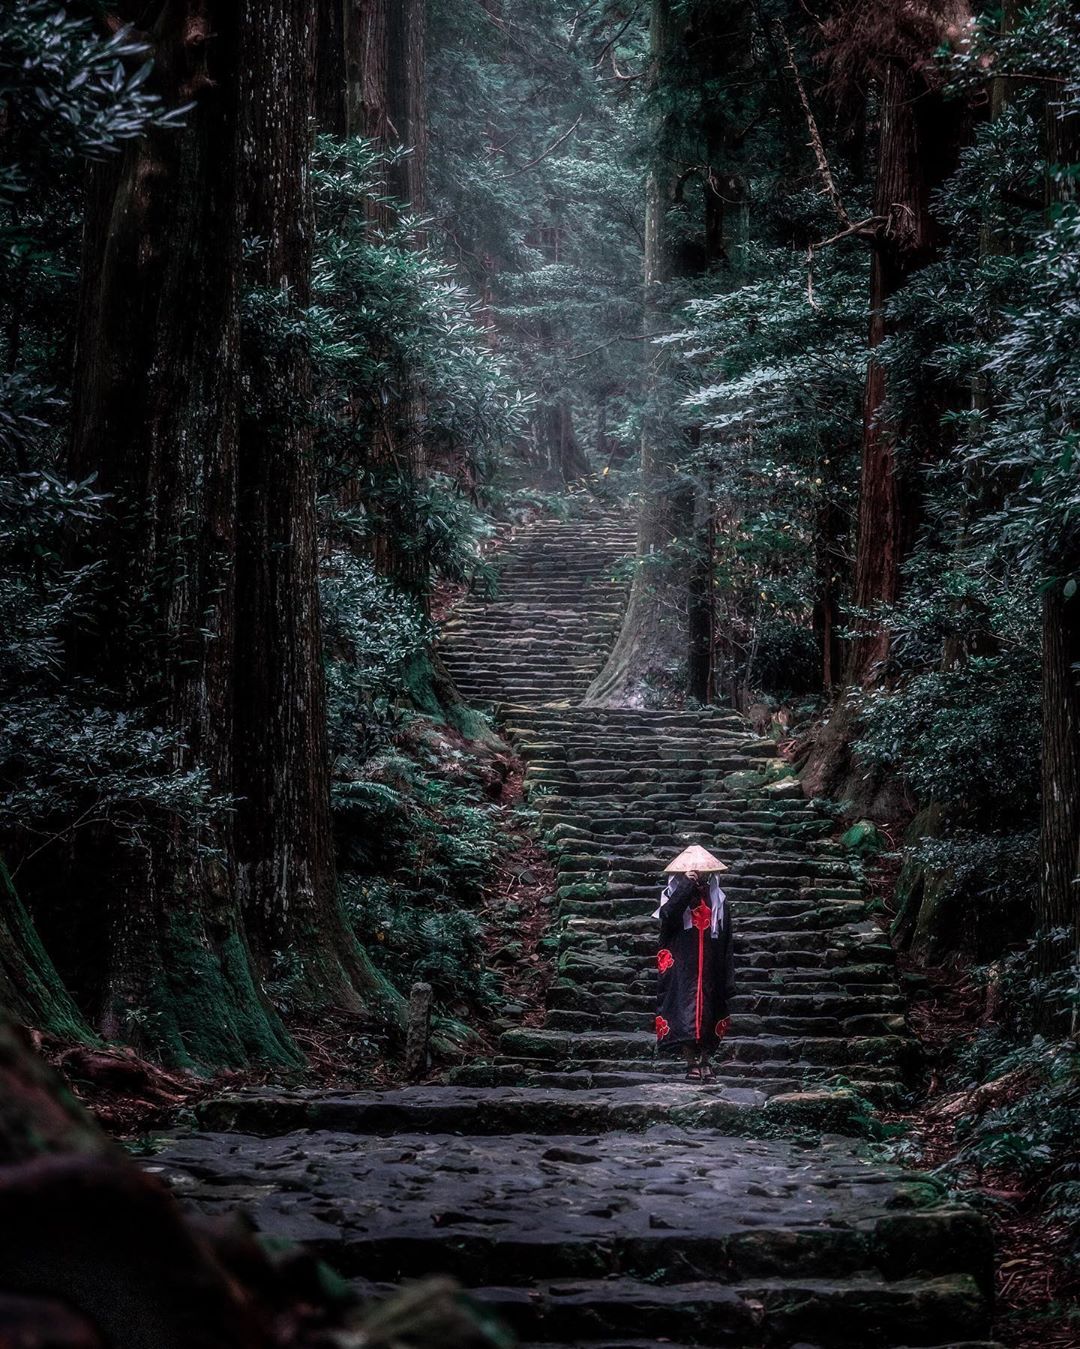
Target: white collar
<point>717,900</point>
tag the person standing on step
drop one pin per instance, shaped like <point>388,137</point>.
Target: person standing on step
<point>696,975</point>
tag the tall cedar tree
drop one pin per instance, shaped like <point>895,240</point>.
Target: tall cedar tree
<point>695,205</point>
<point>649,627</point>
<point>919,138</point>
<point>1059,819</point>
<point>285,858</point>
<point>371,82</point>
<point>209,620</point>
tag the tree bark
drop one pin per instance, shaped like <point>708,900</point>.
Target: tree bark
<point>912,119</point>
<point>829,569</point>
<point>1058,902</point>
<point>155,390</point>
<point>565,456</point>
<point>386,57</point>
<point>649,630</point>
<point>285,858</point>
<point>1058,897</point>
<point>693,47</point>
<point>701,604</point>
<point>333,110</point>
<point>919,140</point>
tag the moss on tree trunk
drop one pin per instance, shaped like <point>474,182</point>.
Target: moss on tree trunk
<point>30,988</point>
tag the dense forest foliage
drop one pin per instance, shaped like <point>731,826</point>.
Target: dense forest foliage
<point>301,306</point>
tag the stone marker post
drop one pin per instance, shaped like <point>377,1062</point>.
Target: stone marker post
<point>418,1030</point>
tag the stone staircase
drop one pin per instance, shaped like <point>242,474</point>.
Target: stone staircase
<point>576,1186</point>
<point>619,792</point>
<point>545,635</point>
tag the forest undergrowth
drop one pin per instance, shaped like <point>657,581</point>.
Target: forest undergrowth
<point>994,1118</point>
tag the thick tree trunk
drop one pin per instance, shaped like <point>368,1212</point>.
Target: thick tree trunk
<point>333,113</point>
<point>406,100</point>
<point>920,134</point>
<point>387,51</point>
<point>649,635</point>
<point>830,568</point>
<point>285,859</point>
<point>1058,896</point>
<point>903,244</point>
<point>694,46</point>
<point>701,603</point>
<point>156,386</point>
<point>565,456</point>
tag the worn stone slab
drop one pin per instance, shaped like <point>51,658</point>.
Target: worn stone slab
<point>697,1203</point>
<point>516,1109</point>
<point>476,1110</point>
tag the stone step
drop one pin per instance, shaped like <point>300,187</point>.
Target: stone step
<point>783,1080</point>
<point>746,943</point>
<point>482,1112</point>
<point>860,1312</point>
<point>597,920</point>
<point>868,1022</point>
<point>629,994</point>
<point>794,905</point>
<point>616,1046</point>
<point>746,1071</point>
<point>634,978</point>
<point>534,1211</point>
<point>762,999</point>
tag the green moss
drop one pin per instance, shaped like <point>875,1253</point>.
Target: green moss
<point>205,1009</point>
<point>30,986</point>
<point>864,839</point>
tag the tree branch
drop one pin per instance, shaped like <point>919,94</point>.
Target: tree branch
<point>816,144</point>
<point>626,79</point>
<point>544,154</point>
<point>610,43</point>
<point>864,229</point>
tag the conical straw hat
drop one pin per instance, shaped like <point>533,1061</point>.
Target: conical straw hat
<point>695,858</point>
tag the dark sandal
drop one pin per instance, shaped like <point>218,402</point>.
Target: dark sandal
<point>693,1074</point>
<point>706,1073</point>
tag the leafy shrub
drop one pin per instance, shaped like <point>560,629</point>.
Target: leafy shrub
<point>967,735</point>
<point>412,934</point>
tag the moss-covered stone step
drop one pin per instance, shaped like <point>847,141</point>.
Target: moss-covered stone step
<point>615,967</point>
<point>803,942</point>
<point>751,978</point>
<point>594,720</point>
<point>817,917</point>
<point>831,1000</point>
<point>593,903</point>
<point>768,1081</point>
<point>484,1109</point>
<point>614,1046</point>
<point>507,1110</point>
<point>736,839</point>
<point>879,1084</point>
<point>765,914</point>
<point>870,1022</point>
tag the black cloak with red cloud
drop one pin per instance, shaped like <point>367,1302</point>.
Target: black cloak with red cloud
<point>696,973</point>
